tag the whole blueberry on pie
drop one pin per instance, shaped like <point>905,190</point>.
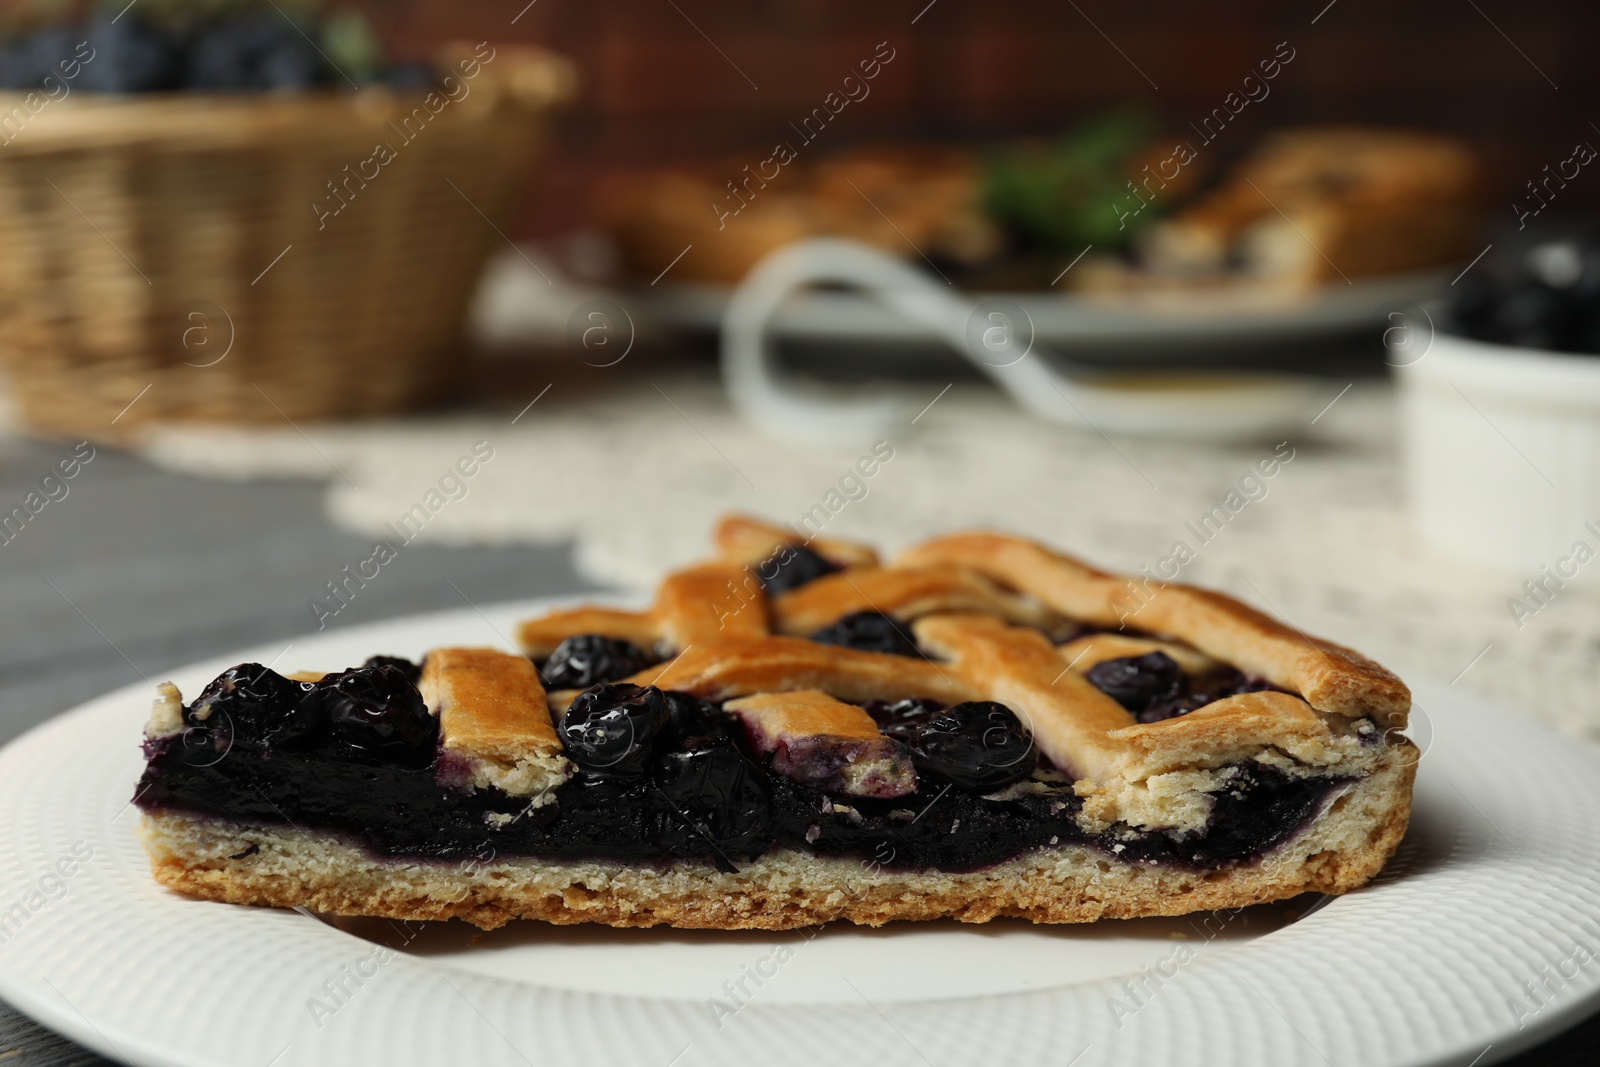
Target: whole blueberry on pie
<point>980,728</point>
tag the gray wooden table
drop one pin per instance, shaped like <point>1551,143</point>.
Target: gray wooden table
<point>138,570</point>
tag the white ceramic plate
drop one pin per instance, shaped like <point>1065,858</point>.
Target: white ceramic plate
<point>1481,935</point>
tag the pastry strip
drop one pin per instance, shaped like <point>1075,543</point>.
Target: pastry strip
<point>785,664</point>
<point>710,602</point>
<point>1071,720</point>
<point>1093,649</point>
<point>494,720</point>
<point>702,603</point>
<point>903,592</point>
<point>823,742</point>
<point>1238,728</point>
<point>539,637</point>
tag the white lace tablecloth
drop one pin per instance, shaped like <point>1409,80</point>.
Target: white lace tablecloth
<point>636,477</point>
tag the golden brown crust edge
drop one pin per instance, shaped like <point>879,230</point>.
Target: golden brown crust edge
<point>783,890</point>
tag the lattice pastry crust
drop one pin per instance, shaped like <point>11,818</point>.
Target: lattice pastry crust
<point>984,604</point>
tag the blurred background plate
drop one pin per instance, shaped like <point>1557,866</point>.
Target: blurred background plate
<point>1180,325</point>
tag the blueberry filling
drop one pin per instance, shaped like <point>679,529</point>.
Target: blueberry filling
<point>980,746</point>
<point>1220,683</point>
<point>589,659</point>
<point>1154,687</point>
<point>714,797</point>
<point>413,671</point>
<point>869,631</point>
<point>1259,808</point>
<point>1136,682</point>
<point>378,713</point>
<point>688,716</point>
<point>901,718</point>
<point>661,775</point>
<point>252,701</point>
<point>612,729</point>
<point>790,567</point>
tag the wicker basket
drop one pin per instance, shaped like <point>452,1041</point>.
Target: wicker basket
<point>173,248</point>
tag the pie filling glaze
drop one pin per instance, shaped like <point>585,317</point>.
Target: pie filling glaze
<point>664,776</point>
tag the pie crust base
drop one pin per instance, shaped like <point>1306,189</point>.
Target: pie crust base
<point>785,889</point>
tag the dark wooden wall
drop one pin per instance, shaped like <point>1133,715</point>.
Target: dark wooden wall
<point>671,80</point>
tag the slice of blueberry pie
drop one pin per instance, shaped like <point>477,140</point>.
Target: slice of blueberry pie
<point>795,732</point>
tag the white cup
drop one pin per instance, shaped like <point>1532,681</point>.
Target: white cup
<point>1501,447</point>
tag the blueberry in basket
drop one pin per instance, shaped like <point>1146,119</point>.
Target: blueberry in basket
<point>30,60</point>
<point>225,46</point>
<point>129,56</point>
<point>258,50</point>
<point>1547,299</point>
